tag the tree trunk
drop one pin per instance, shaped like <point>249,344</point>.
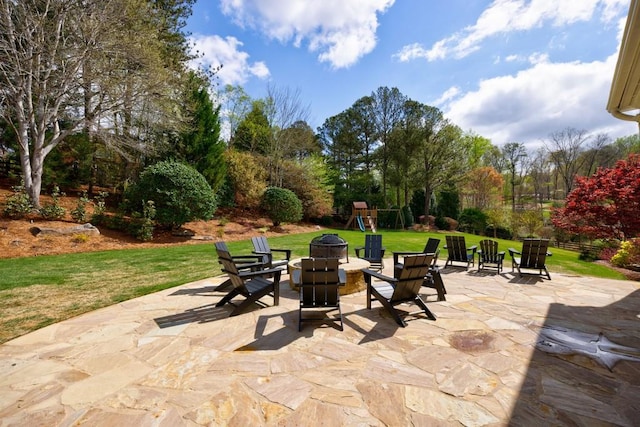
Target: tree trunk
<point>427,202</point>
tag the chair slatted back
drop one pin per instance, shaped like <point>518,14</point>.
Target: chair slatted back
<point>221,246</point>
<point>411,276</point>
<point>457,248</point>
<point>373,246</point>
<point>534,253</point>
<point>229,266</point>
<point>319,282</point>
<point>432,246</point>
<point>489,251</point>
<point>260,244</point>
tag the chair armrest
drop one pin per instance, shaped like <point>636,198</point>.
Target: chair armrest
<point>277,271</point>
<point>501,254</point>
<point>286,252</point>
<point>251,265</point>
<point>473,248</point>
<point>256,257</point>
<point>358,249</point>
<point>549,254</point>
<point>380,276</point>
<point>513,252</point>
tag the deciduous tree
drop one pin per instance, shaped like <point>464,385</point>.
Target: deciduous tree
<point>605,205</point>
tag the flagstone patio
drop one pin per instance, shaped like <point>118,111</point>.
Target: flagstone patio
<point>174,359</point>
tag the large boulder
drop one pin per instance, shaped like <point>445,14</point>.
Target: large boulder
<point>87,229</point>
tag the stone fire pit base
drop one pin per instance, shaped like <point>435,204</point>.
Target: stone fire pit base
<point>353,269</point>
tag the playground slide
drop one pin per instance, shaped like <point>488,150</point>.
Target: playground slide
<point>360,222</point>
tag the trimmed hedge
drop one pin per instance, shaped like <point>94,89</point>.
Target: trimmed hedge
<point>282,205</point>
<point>179,192</point>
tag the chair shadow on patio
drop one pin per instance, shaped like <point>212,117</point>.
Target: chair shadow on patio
<point>205,290</point>
<point>202,314</point>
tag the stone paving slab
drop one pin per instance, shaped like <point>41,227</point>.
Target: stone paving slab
<point>174,359</point>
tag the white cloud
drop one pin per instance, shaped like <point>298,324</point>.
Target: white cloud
<point>340,31</point>
<point>506,16</point>
<point>236,67</point>
<point>447,96</point>
<point>535,102</point>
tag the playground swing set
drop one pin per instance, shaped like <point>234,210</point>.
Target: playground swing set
<point>364,218</point>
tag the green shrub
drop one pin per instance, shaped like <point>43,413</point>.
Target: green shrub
<point>142,225</point>
<point>441,223</point>
<point>498,232</point>
<point>179,192</point>
<point>100,207</point>
<point>79,213</point>
<point>407,216</point>
<point>53,210</point>
<point>628,254</point>
<point>387,219</point>
<point>18,205</point>
<point>282,205</point>
<point>472,220</point>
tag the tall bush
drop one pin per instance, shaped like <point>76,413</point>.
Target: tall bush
<point>179,192</point>
<point>282,205</point>
<point>473,220</point>
<point>246,175</point>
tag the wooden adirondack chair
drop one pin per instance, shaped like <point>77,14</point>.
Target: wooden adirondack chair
<point>261,247</point>
<point>431,247</point>
<point>533,256</point>
<point>489,256</point>
<point>372,251</point>
<point>459,252</point>
<point>252,285</point>
<point>243,262</point>
<point>405,287</point>
<point>433,279</point>
<point>319,280</point>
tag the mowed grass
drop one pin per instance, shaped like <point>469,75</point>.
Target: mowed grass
<point>38,291</point>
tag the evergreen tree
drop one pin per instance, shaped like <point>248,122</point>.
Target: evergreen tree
<point>202,145</point>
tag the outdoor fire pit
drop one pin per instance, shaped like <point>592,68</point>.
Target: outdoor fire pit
<point>329,246</point>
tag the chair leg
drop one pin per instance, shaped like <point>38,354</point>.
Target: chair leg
<point>224,286</point>
<point>424,307</point>
<point>388,306</point>
<point>394,313</point>
<point>228,297</point>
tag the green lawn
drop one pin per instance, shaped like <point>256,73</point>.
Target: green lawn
<point>38,291</point>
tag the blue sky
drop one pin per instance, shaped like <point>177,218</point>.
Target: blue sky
<point>509,70</point>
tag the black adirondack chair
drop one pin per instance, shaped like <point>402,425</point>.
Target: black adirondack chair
<point>404,288</point>
<point>261,247</point>
<point>533,256</point>
<point>252,285</point>
<point>433,279</point>
<point>319,280</point>
<point>458,251</point>
<point>489,256</point>
<point>372,251</point>
<point>243,262</point>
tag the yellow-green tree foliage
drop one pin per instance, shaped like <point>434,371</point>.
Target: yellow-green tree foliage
<point>247,177</point>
